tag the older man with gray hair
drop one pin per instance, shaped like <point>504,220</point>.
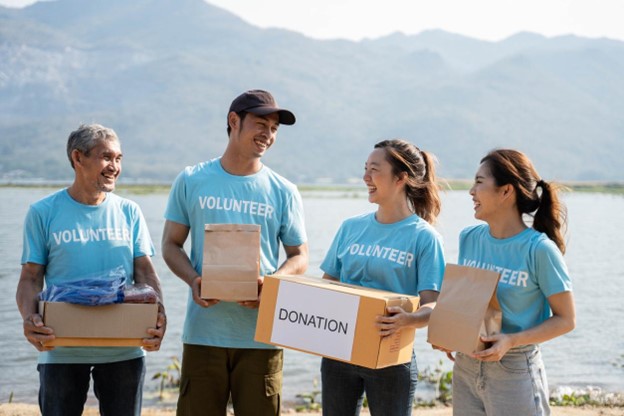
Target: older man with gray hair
<point>88,203</point>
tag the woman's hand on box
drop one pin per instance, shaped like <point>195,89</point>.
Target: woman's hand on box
<point>396,319</point>
<point>498,345</point>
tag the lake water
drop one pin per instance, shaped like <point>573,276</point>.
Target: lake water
<point>593,354</point>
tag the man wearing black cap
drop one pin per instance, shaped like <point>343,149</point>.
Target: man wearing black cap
<point>220,355</point>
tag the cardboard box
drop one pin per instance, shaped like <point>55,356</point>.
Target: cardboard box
<point>231,262</point>
<point>466,309</point>
<point>332,319</point>
<point>118,325</point>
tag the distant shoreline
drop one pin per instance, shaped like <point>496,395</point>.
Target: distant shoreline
<point>606,187</point>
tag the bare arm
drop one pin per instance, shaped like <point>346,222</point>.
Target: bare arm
<point>397,318</point>
<point>144,272</point>
<point>28,288</point>
<point>174,236</point>
<point>563,320</point>
<point>296,260</point>
<point>329,277</point>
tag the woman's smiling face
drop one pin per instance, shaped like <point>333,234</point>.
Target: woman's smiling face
<point>486,194</point>
<point>382,183</point>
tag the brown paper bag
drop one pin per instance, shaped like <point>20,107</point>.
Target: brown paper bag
<point>231,264</point>
<point>467,308</point>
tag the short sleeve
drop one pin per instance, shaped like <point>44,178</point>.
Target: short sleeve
<point>431,264</point>
<point>292,229</point>
<point>143,245</point>
<point>550,269</point>
<point>177,210</point>
<point>332,264</point>
<point>34,249</point>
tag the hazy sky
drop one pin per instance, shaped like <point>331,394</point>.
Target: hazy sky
<point>483,19</point>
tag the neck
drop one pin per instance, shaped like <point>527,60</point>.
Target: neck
<point>391,213</point>
<point>507,227</point>
<point>85,197</point>
<point>238,165</point>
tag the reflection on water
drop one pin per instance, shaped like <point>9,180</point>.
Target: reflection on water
<point>587,356</point>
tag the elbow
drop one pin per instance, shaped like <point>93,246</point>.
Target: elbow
<point>301,265</point>
<point>568,324</point>
<point>168,250</point>
<point>571,324</point>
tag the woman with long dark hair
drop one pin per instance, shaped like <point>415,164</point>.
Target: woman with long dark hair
<point>397,249</point>
<point>522,238</point>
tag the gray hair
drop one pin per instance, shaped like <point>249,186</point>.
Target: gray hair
<point>86,137</point>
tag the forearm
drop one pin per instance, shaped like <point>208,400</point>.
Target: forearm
<point>294,265</point>
<point>420,318</point>
<point>296,260</point>
<point>563,320</point>
<point>26,298</point>
<point>551,328</point>
<point>145,273</point>
<point>178,262</point>
<point>28,288</point>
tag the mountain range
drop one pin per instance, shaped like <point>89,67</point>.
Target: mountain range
<point>162,73</point>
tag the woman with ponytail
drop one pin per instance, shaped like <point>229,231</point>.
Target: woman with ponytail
<point>522,238</point>
<point>397,249</point>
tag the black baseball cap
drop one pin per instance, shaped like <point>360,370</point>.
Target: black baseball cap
<point>261,103</point>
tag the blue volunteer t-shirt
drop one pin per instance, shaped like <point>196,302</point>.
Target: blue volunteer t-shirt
<point>74,241</point>
<point>403,257</point>
<point>207,194</point>
<point>531,267</point>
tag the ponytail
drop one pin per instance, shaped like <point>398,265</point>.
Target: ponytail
<point>514,168</point>
<point>421,188</point>
<point>426,202</point>
<point>551,215</point>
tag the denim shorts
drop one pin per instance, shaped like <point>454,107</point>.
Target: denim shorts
<point>515,385</point>
<point>118,387</point>
<point>389,391</point>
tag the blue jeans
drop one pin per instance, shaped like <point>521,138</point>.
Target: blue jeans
<point>118,387</point>
<point>390,390</point>
<point>515,385</point>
